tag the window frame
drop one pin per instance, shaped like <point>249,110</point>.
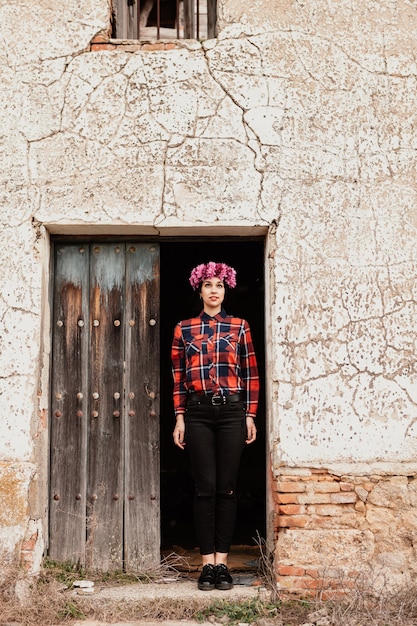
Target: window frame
<point>129,20</point>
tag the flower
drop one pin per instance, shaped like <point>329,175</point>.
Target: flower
<point>213,270</point>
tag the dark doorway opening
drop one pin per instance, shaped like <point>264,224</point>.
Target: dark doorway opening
<point>178,301</point>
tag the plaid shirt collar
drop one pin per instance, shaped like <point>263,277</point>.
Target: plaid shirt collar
<point>219,316</point>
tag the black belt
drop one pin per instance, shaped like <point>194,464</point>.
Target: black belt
<point>216,399</point>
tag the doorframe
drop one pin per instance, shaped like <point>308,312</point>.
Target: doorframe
<point>68,233</point>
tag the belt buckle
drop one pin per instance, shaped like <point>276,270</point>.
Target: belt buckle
<point>218,400</point>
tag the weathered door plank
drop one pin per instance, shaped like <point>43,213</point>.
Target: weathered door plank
<point>142,503</point>
<point>69,405</point>
<point>105,445</point>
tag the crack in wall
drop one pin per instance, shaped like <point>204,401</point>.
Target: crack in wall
<point>257,153</point>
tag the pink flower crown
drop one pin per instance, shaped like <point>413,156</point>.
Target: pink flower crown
<point>213,270</point>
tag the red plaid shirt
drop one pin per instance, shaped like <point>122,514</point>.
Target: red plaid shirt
<point>214,355</point>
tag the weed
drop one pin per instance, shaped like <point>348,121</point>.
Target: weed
<point>247,611</point>
<point>266,567</point>
<point>66,573</point>
<point>70,610</point>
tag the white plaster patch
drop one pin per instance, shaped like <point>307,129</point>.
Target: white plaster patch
<point>10,537</point>
<point>44,33</point>
<point>244,82</point>
<point>266,123</point>
<point>104,110</point>
<point>13,173</point>
<point>366,345</point>
<point>190,186</point>
<point>225,123</point>
<point>40,110</point>
<point>365,420</point>
<point>21,276</point>
<point>17,409</point>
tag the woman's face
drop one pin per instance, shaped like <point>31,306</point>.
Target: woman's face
<point>212,293</point>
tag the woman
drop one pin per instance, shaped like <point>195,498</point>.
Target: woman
<point>216,389</point>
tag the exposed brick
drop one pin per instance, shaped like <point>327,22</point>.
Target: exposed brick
<point>294,473</point>
<point>290,570</point>
<point>293,521</point>
<point>314,573</point>
<point>290,478</point>
<point>287,498</point>
<point>326,510</point>
<point>314,498</point>
<point>134,47</point>
<point>286,582</point>
<point>288,487</point>
<point>97,47</point>
<point>291,509</point>
<point>311,583</point>
<point>325,487</point>
<point>29,544</point>
<point>293,582</point>
<point>151,47</point>
<point>323,478</point>
<point>100,38</point>
<point>343,498</point>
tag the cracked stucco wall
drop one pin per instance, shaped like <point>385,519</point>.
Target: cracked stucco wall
<point>300,118</point>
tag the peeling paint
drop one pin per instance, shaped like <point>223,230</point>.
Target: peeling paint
<point>13,493</point>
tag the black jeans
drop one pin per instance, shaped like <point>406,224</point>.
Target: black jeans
<point>215,438</point>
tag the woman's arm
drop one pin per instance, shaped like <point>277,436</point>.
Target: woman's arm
<point>178,371</point>
<point>250,430</point>
<point>249,371</point>
<point>179,431</point>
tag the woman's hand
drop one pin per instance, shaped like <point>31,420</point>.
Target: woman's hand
<point>251,430</point>
<point>179,432</point>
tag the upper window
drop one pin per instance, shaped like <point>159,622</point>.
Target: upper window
<point>164,19</point>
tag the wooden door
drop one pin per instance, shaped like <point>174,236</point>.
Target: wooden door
<point>104,476</point>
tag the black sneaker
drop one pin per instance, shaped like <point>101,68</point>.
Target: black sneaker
<point>223,577</point>
<point>207,580</point>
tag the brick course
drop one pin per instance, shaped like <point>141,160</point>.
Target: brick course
<point>315,501</point>
<point>27,550</point>
<point>104,42</point>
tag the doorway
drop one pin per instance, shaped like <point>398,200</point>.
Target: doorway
<point>178,301</point>
<point>119,488</point>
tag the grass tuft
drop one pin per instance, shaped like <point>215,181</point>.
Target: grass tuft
<point>247,611</point>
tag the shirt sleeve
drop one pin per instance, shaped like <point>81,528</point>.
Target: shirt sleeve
<point>249,371</point>
<point>178,371</point>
